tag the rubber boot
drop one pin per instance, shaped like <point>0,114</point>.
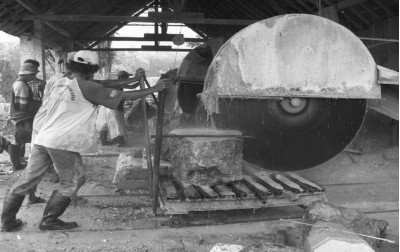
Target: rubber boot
<point>33,199</point>
<point>103,138</point>
<point>14,152</point>
<point>55,208</point>
<point>12,204</point>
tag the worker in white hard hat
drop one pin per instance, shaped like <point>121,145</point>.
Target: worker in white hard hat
<point>68,130</point>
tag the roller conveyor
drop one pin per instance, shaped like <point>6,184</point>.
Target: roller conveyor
<point>257,189</point>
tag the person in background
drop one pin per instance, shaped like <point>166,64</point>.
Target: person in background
<point>115,120</point>
<point>37,86</point>
<point>67,131</point>
<point>23,108</point>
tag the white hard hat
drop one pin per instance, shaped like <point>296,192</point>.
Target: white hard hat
<point>87,57</point>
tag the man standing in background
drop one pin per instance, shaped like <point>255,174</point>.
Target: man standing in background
<point>115,120</point>
<point>23,107</point>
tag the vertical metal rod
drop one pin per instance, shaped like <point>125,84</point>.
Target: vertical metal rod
<point>147,138</point>
<point>157,150</point>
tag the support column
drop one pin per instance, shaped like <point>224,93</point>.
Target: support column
<point>39,32</point>
<point>32,47</point>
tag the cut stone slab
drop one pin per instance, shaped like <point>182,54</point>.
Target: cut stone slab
<point>131,172</point>
<point>205,160</point>
<point>350,218</point>
<point>330,236</point>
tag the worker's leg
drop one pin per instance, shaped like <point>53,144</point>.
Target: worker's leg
<point>38,163</point>
<point>101,125</point>
<point>119,127</point>
<point>103,133</point>
<point>72,176</point>
<point>23,134</point>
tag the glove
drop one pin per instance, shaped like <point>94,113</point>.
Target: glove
<point>139,74</point>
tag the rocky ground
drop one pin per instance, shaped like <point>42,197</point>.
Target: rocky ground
<point>115,221</point>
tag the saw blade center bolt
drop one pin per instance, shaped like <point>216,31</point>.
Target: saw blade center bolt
<point>293,105</point>
<point>295,102</point>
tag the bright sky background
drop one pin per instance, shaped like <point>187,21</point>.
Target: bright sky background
<point>5,37</point>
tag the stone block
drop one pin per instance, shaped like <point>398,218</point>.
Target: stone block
<point>330,236</point>
<point>205,160</point>
<point>131,170</point>
<point>131,173</point>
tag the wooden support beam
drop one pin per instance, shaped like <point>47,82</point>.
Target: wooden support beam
<point>355,13</point>
<point>348,3</point>
<point>377,17</point>
<point>277,7</point>
<point>159,38</point>
<point>291,3</point>
<point>120,25</point>
<point>366,22</point>
<point>168,15</point>
<point>308,8</point>
<point>150,49</point>
<point>246,8</point>
<point>388,11</point>
<point>39,31</point>
<point>352,21</point>
<point>156,47</point>
<point>31,8</point>
<point>114,19</point>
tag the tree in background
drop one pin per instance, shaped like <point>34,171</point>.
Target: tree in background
<point>106,60</point>
<point>9,67</point>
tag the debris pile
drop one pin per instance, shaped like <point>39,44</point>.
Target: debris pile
<point>351,219</point>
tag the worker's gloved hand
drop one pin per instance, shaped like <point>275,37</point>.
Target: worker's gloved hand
<point>140,73</point>
<point>163,84</point>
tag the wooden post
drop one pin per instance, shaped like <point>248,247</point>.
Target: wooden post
<point>152,94</point>
<point>39,32</point>
<point>157,150</point>
<point>147,138</point>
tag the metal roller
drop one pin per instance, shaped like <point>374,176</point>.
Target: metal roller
<point>297,83</point>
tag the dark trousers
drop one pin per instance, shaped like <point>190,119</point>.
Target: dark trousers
<point>23,131</point>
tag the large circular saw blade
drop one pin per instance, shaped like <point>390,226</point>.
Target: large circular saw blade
<point>292,133</point>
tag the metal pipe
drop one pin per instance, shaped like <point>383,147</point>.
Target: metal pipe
<point>147,137</point>
<point>157,150</point>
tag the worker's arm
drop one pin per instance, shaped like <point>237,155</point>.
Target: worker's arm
<point>139,73</point>
<point>111,98</point>
<point>118,83</point>
<point>133,95</point>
